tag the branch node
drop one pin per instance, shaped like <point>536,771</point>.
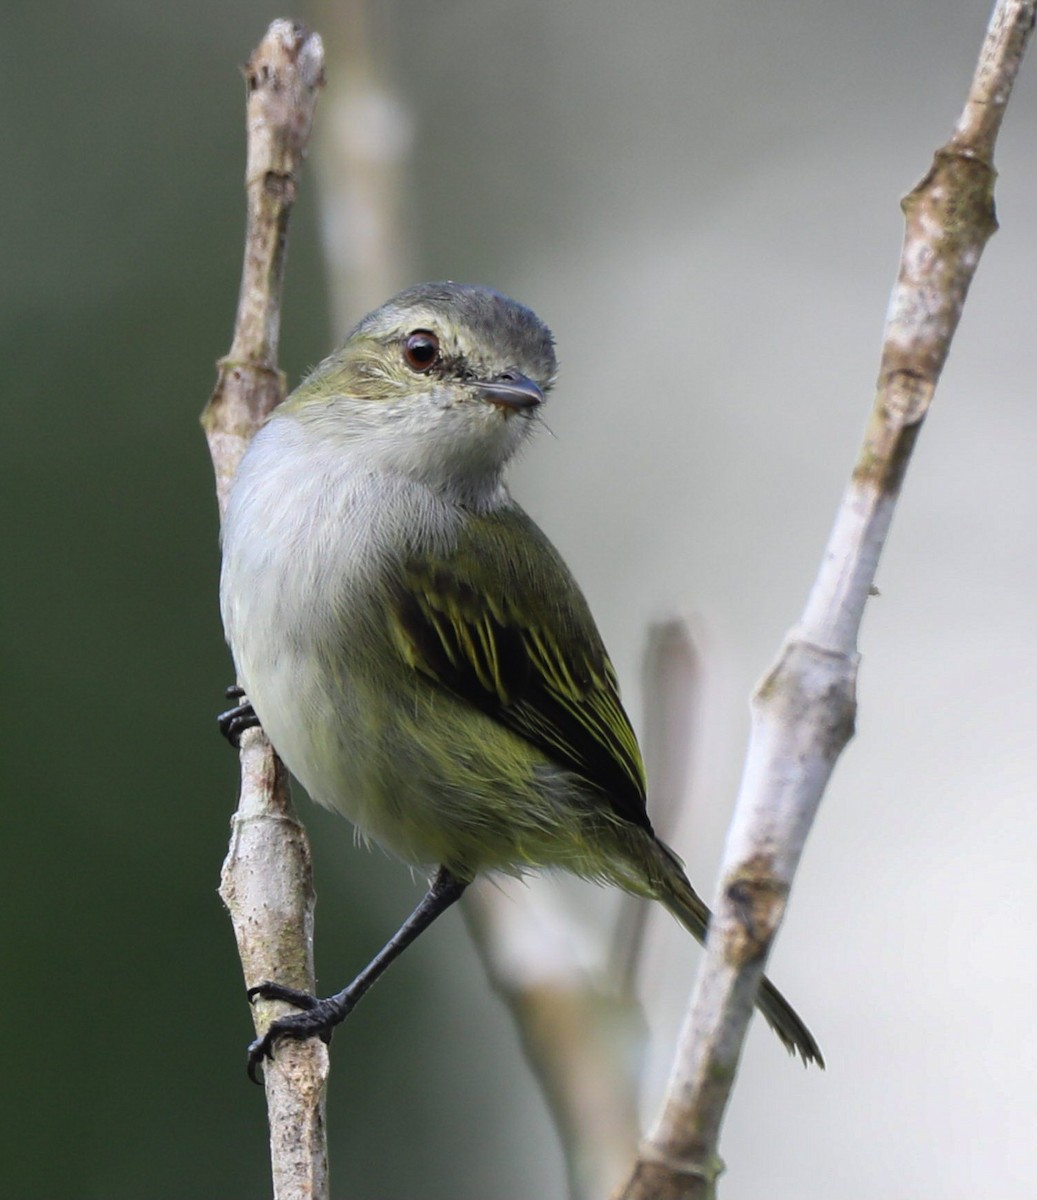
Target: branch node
<point>906,396</point>
<point>660,1176</point>
<point>758,899</point>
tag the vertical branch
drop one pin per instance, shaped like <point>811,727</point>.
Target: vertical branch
<point>266,881</point>
<point>803,711</point>
<point>581,1036</point>
<point>364,147</point>
<point>672,688</point>
<point>583,1030</point>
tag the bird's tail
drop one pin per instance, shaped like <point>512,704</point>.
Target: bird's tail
<point>677,894</point>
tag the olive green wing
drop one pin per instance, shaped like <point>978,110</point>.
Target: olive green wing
<point>499,621</point>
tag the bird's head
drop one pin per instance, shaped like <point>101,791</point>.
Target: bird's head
<point>443,382</point>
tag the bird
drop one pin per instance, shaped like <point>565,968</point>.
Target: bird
<point>416,649</point>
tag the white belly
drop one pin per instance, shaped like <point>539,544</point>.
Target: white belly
<point>305,589</point>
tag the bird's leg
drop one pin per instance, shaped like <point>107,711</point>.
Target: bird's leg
<point>236,720</point>
<point>319,1017</point>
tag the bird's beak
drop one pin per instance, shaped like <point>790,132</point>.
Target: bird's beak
<point>511,390</point>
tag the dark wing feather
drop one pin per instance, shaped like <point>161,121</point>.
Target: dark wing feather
<point>465,624</point>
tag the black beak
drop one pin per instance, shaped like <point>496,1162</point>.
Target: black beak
<point>511,389</point>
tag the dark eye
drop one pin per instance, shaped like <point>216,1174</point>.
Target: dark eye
<point>421,349</point>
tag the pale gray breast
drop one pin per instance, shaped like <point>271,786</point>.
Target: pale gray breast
<point>313,542</point>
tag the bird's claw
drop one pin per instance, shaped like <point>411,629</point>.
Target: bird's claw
<point>268,990</point>
<point>233,723</point>
<point>317,1018</point>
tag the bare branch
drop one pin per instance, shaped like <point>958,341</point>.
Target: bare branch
<point>672,685</point>
<point>363,152</point>
<point>582,1038</point>
<point>803,711</point>
<point>266,881</point>
<point>582,1027</point>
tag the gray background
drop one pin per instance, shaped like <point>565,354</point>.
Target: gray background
<point>701,200</point>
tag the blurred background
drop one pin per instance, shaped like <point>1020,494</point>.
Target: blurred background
<point>702,201</point>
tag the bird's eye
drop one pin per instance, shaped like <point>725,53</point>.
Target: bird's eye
<point>421,349</point>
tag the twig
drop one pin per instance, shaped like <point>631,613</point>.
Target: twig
<point>672,684</point>
<point>582,1027</point>
<point>803,711</point>
<point>582,1038</point>
<point>363,151</point>
<point>266,881</point>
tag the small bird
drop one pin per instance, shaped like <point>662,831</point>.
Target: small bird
<point>416,650</point>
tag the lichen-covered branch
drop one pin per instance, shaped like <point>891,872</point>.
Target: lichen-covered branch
<point>266,881</point>
<point>803,711</point>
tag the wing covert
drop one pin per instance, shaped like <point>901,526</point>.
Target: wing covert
<point>465,624</point>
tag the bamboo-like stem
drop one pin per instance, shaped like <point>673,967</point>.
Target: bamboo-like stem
<point>803,711</point>
<point>266,881</point>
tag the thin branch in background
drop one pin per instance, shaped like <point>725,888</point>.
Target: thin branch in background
<point>672,687</point>
<point>583,1029</point>
<point>803,711</point>
<point>583,1040</point>
<point>266,882</point>
<point>363,149</point>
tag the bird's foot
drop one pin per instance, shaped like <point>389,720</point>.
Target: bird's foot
<point>236,720</point>
<point>317,1018</point>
